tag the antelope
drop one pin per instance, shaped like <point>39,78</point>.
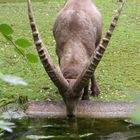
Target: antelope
<point>77,31</point>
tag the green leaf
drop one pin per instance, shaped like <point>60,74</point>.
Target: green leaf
<point>32,58</point>
<point>6,29</point>
<point>1,73</point>
<point>13,80</point>
<point>22,42</point>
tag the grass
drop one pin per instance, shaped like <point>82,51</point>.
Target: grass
<point>117,72</point>
<point>17,1</point>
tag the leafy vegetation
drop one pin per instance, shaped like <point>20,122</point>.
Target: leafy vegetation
<point>7,32</point>
<point>5,125</point>
<point>118,70</point>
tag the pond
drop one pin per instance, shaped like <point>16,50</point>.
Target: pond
<point>75,129</point>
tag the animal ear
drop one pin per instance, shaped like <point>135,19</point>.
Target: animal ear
<point>96,57</point>
<point>53,72</point>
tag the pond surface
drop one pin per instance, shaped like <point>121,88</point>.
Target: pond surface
<point>76,129</point>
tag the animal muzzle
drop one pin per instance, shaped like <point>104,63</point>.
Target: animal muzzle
<point>71,106</point>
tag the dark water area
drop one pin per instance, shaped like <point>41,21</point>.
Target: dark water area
<point>76,129</point>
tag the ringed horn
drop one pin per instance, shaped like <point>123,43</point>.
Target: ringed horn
<point>54,73</point>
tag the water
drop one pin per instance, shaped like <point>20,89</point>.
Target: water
<point>76,129</point>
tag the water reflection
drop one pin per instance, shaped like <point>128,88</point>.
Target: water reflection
<point>76,129</point>
<point>121,136</point>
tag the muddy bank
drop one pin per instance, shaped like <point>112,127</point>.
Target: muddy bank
<point>85,109</point>
<point>55,109</point>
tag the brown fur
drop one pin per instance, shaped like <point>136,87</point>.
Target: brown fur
<point>77,32</point>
